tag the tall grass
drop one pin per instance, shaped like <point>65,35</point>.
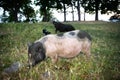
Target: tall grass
<point>103,65</point>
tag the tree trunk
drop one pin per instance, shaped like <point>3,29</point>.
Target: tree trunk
<point>78,9</point>
<point>64,12</point>
<point>84,14</point>
<point>15,15</point>
<point>45,16</point>
<point>72,13</point>
<point>96,10</point>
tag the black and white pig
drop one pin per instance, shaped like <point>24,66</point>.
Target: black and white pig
<point>54,46</point>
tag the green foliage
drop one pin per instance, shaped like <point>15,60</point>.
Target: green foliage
<point>103,65</point>
<point>107,5</point>
<point>23,7</point>
<point>28,12</point>
<point>103,5</point>
<point>14,7</point>
<point>45,7</point>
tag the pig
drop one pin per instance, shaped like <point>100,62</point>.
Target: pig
<point>62,27</point>
<point>63,45</point>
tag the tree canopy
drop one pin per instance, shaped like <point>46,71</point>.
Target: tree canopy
<point>104,6</point>
<point>15,7</point>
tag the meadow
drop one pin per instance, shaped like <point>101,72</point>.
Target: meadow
<point>103,65</point>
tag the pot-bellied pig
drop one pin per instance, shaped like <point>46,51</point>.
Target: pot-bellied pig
<point>62,27</point>
<point>66,45</point>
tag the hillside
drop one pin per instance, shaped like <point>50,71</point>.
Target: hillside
<point>103,65</point>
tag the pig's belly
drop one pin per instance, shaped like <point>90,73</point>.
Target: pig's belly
<point>70,48</point>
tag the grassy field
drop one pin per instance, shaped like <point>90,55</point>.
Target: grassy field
<point>103,65</point>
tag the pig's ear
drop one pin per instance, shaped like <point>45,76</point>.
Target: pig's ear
<point>29,44</point>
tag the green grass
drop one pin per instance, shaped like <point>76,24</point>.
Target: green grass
<point>103,65</point>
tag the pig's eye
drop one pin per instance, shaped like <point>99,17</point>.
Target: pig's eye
<point>38,49</point>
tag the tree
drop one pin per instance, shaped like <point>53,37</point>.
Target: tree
<point>77,4</point>
<point>78,9</point>
<point>13,7</point>
<point>72,5</point>
<point>28,12</point>
<point>65,2</point>
<point>93,6</point>
<point>45,7</point>
<point>110,6</point>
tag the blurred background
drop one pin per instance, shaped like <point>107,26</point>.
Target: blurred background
<point>59,10</point>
